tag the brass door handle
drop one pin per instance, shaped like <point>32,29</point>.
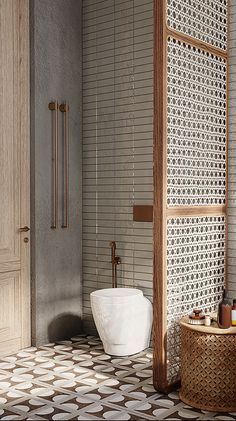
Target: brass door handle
<point>24,229</point>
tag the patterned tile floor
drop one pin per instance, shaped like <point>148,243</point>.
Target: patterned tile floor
<point>76,380</point>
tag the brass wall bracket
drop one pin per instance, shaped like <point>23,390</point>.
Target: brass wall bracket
<point>64,108</point>
<point>53,106</point>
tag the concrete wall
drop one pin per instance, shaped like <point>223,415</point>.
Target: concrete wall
<point>232,151</point>
<point>56,61</point>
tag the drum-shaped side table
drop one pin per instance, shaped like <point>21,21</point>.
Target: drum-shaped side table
<point>208,367</point>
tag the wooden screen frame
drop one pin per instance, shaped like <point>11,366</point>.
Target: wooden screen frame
<point>161,212</point>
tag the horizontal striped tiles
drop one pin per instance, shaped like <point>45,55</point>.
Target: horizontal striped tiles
<point>117,143</point>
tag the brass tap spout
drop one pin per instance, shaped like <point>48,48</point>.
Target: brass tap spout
<point>115,261</point>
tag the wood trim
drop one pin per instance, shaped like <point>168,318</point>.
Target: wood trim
<point>142,213</point>
<point>196,43</point>
<point>24,135</point>
<point>171,387</point>
<point>159,211</point>
<point>196,211</point>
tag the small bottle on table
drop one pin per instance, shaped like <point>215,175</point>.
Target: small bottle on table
<point>224,312</point>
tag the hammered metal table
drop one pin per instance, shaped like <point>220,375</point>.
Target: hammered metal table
<point>208,367</point>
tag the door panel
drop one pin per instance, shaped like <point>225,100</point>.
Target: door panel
<point>14,176</point>
<point>10,304</point>
<point>9,144</point>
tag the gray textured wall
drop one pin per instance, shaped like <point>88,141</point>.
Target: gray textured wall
<point>56,61</point>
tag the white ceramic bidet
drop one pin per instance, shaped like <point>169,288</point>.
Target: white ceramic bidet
<point>123,318</point>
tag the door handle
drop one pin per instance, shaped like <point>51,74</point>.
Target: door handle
<point>24,229</point>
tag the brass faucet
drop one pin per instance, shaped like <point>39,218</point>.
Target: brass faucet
<point>115,261</point>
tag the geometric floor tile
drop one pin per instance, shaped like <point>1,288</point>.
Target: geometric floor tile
<point>76,380</point>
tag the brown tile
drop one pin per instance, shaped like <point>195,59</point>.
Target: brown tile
<point>8,413</point>
<point>77,380</point>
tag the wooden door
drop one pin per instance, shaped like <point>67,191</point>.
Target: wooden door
<point>14,176</point>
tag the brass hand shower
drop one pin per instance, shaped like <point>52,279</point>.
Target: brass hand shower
<point>115,260</point>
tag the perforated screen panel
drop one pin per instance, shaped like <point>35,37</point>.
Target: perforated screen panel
<point>191,139</point>
<point>205,20</point>
<point>195,275</point>
<point>196,126</point>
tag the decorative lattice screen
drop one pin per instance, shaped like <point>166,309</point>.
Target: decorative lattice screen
<point>196,131</point>
<point>205,20</point>
<point>195,274</point>
<point>190,156</point>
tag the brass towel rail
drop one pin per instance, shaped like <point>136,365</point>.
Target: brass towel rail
<point>64,108</point>
<point>53,106</point>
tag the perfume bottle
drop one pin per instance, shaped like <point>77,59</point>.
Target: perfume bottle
<point>224,311</point>
<point>234,313</point>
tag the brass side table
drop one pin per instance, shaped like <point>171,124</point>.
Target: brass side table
<point>208,367</point>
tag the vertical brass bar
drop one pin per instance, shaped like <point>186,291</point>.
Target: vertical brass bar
<point>64,108</point>
<point>115,282</point>
<point>53,106</point>
<point>113,253</point>
<point>113,276</point>
<point>115,261</point>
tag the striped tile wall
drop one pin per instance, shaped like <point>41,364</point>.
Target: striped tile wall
<point>232,150</point>
<point>117,143</point>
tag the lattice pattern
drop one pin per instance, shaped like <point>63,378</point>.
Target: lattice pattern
<point>205,20</point>
<point>196,126</point>
<point>195,274</point>
<point>208,378</point>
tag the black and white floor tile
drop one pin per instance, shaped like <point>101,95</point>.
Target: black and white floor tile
<point>76,380</point>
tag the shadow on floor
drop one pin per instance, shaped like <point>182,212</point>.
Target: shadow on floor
<point>64,327</point>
